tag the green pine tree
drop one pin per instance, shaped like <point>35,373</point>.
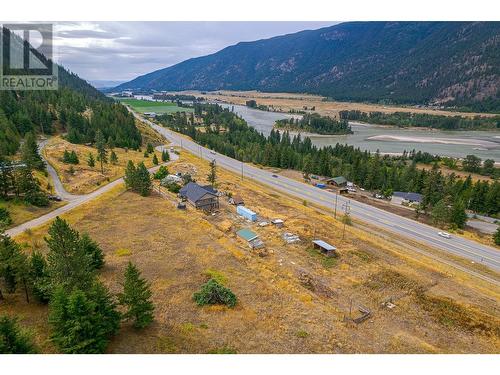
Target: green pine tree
<point>144,183</point>
<point>496,237</point>
<point>165,156</point>
<point>39,276</point>
<point>91,160</point>
<point>69,265</point>
<point>93,250</point>
<point>29,153</point>
<point>130,177</point>
<point>113,158</point>
<point>155,159</point>
<point>458,216</point>
<point>136,297</point>
<point>100,145</point>
<point>13,339</point>
<point>83,322</point>
<point>212,175</point>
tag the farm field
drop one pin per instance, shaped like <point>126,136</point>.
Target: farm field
<point>290,298</point>
<point>151,106</point>
<point>285,102</point>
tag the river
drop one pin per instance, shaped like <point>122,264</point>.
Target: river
<point>391,140</point>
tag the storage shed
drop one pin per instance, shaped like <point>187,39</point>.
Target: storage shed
<point>246,213</point>
<point>325,248</point>
<point>278,223</point>
<point>251,237</point>
<point>337,181</point>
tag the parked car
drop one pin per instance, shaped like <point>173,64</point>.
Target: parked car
<point>445,235</point>
<point>275,175</point>
<point>213,152</point>
<point>56,198</point>
<point>379,196</point>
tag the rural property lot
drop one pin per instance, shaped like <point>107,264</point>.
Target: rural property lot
<point>291,299</point>
<point>152,106</point>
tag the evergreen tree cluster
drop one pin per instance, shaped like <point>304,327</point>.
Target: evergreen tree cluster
<point>138,178</point>
<point>425,120</point>
<point>70,157</point>
<point>76,106</point>
<point>83,315</point>
<point>315,123</point>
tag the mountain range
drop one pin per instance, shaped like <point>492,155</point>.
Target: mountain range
<point>448,63</point>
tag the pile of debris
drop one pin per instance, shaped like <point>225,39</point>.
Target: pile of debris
<point>290,238</point>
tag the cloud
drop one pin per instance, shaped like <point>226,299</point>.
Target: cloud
<point>125,50</point>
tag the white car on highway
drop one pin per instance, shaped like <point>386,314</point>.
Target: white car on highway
<point>444,235</point>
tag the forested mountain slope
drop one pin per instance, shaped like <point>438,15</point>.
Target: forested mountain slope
<point>76,108</point>
<point>452,63</point>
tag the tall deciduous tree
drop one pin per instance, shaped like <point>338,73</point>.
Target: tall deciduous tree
<point>136,297</point>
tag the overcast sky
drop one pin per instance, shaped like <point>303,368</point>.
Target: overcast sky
<point>121,51</point>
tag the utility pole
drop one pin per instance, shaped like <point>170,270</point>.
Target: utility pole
<point>336,200</point>
<point>347,210</point>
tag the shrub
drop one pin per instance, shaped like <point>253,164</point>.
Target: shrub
<point>5,218</point>
<point>214,293</point>
<point>161,173</point>
<point>13,339</point>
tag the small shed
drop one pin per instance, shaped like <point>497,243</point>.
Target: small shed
<point>237,200</point>
<point>325,247</point>
<point>251,237</point>
<point>246,213</point>
<point>278,223</point>
<point>337,181</point>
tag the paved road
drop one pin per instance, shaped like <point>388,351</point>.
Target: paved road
<point>73,200</point>
<point>56,181</point>
<point>408,228</point>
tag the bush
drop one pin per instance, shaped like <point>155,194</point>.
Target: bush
<point>214,293</point>
<point>70,157</point>
<point>173,187</point>
<point>14,340</point>
<point>5,218</point>
<point>161,173</point>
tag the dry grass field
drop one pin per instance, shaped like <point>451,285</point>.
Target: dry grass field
<point>285,102</point>
<point>290,298</point>
<point>86,179</point>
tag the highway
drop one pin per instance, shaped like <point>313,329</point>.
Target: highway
<point>425,234</point>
